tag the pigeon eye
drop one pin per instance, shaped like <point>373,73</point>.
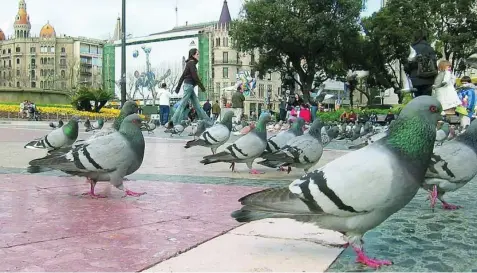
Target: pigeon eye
<point>433,109</point>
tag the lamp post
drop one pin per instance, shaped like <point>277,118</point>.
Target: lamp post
<point>123,54</point>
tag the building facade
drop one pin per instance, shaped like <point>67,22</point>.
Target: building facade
<point>47,61</point>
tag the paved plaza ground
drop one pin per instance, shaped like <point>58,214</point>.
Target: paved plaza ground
<point>47,225</point>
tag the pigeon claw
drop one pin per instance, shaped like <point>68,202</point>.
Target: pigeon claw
<point>448,206</point>
<point>94,195</point>
<point>433,196</point>
<point>374,263</point>
<point>132,193</point>
<point>253,171</point>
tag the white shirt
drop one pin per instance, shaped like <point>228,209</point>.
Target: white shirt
<point>164,96</point>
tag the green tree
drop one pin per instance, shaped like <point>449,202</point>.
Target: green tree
<point>305,37</point>
<point>82,99</point>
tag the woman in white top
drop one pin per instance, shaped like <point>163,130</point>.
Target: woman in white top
<point>444,90</point>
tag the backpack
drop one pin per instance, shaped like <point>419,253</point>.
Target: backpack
<point>426,66</point>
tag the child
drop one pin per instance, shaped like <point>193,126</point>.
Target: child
<point>466,94</point>
<point>305,113</point>
<point>444,90</point>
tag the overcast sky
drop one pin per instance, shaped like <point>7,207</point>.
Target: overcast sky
<point>97,18</point>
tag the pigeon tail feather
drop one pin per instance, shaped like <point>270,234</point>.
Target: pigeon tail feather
<point>219,157</point>
<point>197,142</point>
<point>272,203</point>
<point>36,144</point>
<point>37,169</point>
<point>270,163</point>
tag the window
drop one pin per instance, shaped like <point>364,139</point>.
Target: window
<point>63,50</point>
<point>269,88</point>
<point>18,61</point>
<point>41,72</point>
<point>226,42</point>
<point>18,84</point>
<point>225,57</point>
<point>269,76</point>
<point>33,84</point>
<point>4,51</point>
<point>261,89</point>
<point>17,49</point>
<point>63,62</point>
<point>63,74</point>
<point>217,42</point>
<point>52,49</point>
<point>41,84</point>
<point>252,59</point>
<point>225,72</point>
<point>18,73</point>
<point>32,73</point>
<point>9,51</point>
<point>32,49</point>
<point>217,87</point>
<point>10,63</point>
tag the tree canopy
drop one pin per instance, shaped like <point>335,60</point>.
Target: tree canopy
<point>305,37</point>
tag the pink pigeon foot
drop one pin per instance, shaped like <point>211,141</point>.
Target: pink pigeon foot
<point>374,263</point>
<point>448,206</point>
<point>91,191</point>
<point>282,169</point>
<point>433,196</point>
<point>132,193</point>
<point>253,171</point>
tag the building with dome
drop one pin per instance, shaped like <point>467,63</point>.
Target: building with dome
<point>45,60</point>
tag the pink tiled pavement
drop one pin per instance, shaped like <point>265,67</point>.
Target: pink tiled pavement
<point>46,225</point>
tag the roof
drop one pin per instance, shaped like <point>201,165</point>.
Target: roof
<point>22,17</point>
<point>2,35</point>
<point>47,31</point>
<point>187,27</point>
<point>225,17</point>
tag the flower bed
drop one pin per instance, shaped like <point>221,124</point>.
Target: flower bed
<point>57,112</point>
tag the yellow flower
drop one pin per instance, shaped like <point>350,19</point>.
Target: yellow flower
<point>57,112</point>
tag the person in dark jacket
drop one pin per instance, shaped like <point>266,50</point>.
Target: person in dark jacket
<point>190,79</point>
<point>207,108</point>
<point>422,70</point>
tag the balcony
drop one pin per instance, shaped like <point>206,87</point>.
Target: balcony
<point>86,73</point>
<point>32,66</point>
<point>17,54</point>
<point>86,64</point>
<point>63,66</point>
<point>63,54</point>
<point>227,62</point>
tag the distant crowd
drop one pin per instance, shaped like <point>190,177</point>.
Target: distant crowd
<point>28,110</point>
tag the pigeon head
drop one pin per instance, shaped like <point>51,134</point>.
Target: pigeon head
<point>100,121</point>
<point>262,123</point>
<point>71,128</point>
<point>131,121</point>
<point>470,135</point>
<point>131,130</point>
<point>413,133</point>
<point>227,119</point>
<point>298,125</point>
<point>129,107</point>
<point>315,128</point>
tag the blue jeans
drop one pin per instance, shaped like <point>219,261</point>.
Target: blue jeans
<point>314,109</point>
<point>164,112</point>
<point>189,96</point>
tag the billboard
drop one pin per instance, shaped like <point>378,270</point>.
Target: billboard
<point>152,61</point>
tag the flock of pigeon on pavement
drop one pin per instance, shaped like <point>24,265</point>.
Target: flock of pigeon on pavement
<point>352,194</point>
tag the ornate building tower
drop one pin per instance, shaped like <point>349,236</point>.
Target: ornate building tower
<point>22,21</point>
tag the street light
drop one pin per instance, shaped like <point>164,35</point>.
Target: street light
<point>123,54</point>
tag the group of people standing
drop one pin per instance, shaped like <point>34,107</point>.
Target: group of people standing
<point>436,79</point>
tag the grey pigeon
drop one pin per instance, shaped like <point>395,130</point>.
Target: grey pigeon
<point>58,138</point>
<point>279,140</point>
<point>358,191</point>
<point>301,152</point>
<point>58,125</point>
<point>148,126</point>
<point>216,135</point>
<point>178,129</point>
<point>245,149</point>
<point>106,158</point>
<point>452,166</point>
<point>130,107</point>
<point>442,133</point>
<point>202,125</point>
<point>97,125</point>
<point>333,132</point>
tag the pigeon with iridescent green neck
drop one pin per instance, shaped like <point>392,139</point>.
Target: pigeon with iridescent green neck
<point>359,190</point>
<point>58,138</point>
<point>244,149</point>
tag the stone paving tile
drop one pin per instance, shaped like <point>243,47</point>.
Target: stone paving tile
<point>47,220</point>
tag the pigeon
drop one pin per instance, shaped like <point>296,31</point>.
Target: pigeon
<point>130,107</point>
<point>202,125</point>
<point>87,124</point>
<point>58,138</point>
<point>244,149</point>
<point>442,134</point>
<point>54,126</point>
<point>106,158</point>
<point>178,129</point>
<point>216,135</point>
<point>279,140</point>
<point>301,152</point>
<point>148,126</point>
<point>97,125</point>
<point>452,166</point>
<point>380,179</point>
